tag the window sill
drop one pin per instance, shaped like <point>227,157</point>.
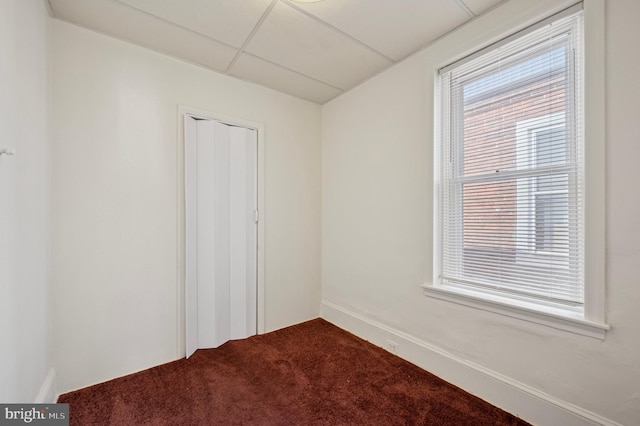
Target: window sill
<point>520,310</point>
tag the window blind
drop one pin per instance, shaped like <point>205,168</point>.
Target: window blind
<point>511,181</point>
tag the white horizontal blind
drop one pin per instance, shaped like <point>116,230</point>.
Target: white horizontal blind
<point>512,168</point>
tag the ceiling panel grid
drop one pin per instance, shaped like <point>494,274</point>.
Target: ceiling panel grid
<point>310,50</point>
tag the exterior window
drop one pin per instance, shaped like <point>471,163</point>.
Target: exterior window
<point>542,143</point>
<point>510,182</point>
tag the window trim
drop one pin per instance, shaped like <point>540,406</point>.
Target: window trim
<point>519,310</point>
<point>592,322</point>
<point>525,130</point>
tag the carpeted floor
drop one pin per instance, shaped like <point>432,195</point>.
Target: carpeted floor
<point>309,374</point>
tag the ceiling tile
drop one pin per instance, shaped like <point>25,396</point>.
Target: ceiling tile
<point>314,51</point>
<point>251,68</point>
<point>480,6</point>
<point>123,22</point>
<point>393,28</point>
<point>229,21</point>
<point>298,42</point>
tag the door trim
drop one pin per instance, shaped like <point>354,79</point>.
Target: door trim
<point>180,215</point>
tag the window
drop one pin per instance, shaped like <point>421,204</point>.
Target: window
<point>510,177</point>
<point>541,142</point>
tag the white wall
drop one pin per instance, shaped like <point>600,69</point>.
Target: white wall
<point>377,232</point>
<point>25,354</point>
<point>114,192</point>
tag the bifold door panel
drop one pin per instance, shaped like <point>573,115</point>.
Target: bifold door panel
<point>221,232</point>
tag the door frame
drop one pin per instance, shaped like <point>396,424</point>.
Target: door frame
<point>181,218</point>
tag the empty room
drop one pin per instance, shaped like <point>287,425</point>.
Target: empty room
<point>322,212</point>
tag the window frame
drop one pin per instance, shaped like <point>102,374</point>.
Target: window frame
<point>591,321</point>
<point>525,129</point>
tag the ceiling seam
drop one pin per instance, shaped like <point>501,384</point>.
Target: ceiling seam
<point>338,30</point>
<point>253,32</point>
<point>194,62</point>
<point>427,45</point>
<point>47,3</point>
<point>159,18</point>
<point>293,71</point>
<point>465,8</point>
<point>460,3</point>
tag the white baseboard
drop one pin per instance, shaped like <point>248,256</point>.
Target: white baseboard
<point>526,402</point>
<point>48,390</point>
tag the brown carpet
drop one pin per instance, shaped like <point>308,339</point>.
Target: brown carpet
<point>309,374</point>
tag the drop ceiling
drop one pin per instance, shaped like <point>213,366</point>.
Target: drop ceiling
<point>314,51</point>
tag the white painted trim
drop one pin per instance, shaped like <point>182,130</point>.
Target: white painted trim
<point>180,214</point>
<point>524,401</point>
<point>525,147</point>
<point>48,393</point>
<point>514,36</point>
<point>555,318</point>
<point>594,133</point>
<point>595,164</point>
